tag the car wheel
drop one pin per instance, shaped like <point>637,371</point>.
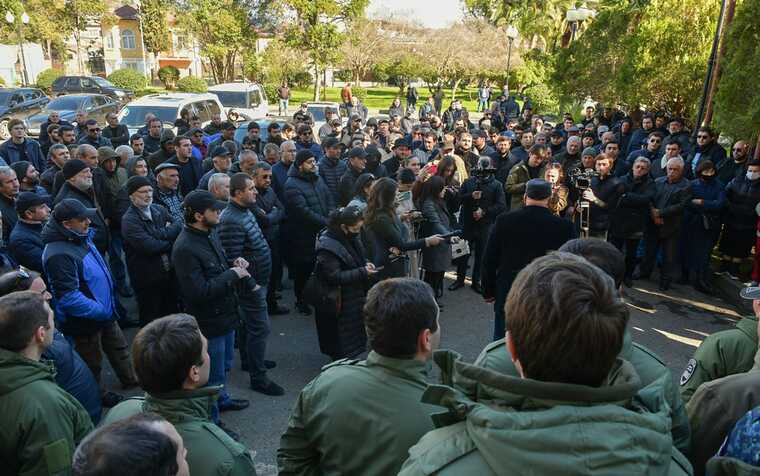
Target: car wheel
<point>5,134</point>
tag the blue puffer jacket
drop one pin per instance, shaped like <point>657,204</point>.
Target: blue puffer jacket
<point>308,202</point>
<point>25,245</point>
<point>12,153</point>
<point>331,171</point>
<point>241,237</point>
<point>73,375</point>
<point>78,279</point>
<point>312,146</point>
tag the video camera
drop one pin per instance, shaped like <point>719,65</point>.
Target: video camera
<point>581,178</point>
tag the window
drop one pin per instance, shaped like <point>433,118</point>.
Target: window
<point>181,42</point>
<point>109,40</point>
<point>128,40</point>
<point>213,107</point>
<point>202,112</point>
<point>98,101</point>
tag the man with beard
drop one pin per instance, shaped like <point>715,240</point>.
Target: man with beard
<point>190,169</point>
<point>357,163</point>
<point>153,138</point>
<point>25,242</point>
<point>501,158</point>
<point>137,143</point>
<point>571,156</point>
<point>532,168</point>
<point>28,178</point>
<point>374,166</point>
<point>640,136</point>
<point>730,169</point>
<point>165,151</point>
<point>401,152</point>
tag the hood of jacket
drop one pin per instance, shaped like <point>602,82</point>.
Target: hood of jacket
<point>183,405</point>
<point>54,231</point>
<point>588,428</point>
<point>17,371</point>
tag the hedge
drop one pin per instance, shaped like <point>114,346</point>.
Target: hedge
<point>129,79</point>
<point>192,84</point>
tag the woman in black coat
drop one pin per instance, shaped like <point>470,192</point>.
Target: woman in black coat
<point>385,235</point>
<point>436,221</point>
<point>341,264</point>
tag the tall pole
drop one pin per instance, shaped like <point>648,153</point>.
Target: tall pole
<point>730,10</point>
<point>509,61</point>
<point>710,66</point>
<point>21,48</point>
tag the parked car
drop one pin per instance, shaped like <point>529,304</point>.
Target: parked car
<point>19,103</point>
<point>242,99</point>
<point>168,108</point>
<point>242,129</point>
<point>90,84</point>
<point>318,111</point>
<point>96,105</point>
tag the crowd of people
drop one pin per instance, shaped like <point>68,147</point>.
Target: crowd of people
<point>365,219</point>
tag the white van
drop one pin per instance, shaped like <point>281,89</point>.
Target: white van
<point>168,107</point>
<point>245,100</point>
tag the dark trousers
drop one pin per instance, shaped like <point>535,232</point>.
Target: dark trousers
<point>109,340</point>
<point>477,248</point>
<point>629,247</point>
<point>697,249</point>
<point>116,258</point>
<point>275,279</point>
<point>159,299</point>
<point>300,271</point>
<point>500,317</point>
<point>669,247</point>
<point>253,306</point>
<point>435,280</point>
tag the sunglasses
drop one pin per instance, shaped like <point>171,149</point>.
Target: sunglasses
<point>703,137</point>
<point>97,129</point>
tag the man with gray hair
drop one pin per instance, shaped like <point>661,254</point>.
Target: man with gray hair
<point>672,194</point>
<point>125,153</point>
<point>9,188</point>
<point>219,186</point>
<point>247,161</point>
<point>570,158</point>
<point>280,169</point>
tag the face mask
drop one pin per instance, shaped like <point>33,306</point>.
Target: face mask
<point>753,175</point>
<point>708,178</point>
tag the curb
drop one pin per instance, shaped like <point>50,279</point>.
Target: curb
<point>728,290</point>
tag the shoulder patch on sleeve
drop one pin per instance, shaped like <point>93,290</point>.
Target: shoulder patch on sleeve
<point>686,375</point>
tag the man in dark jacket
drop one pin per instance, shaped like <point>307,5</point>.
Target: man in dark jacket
<point>165,151</point>
<point>149,233</point>
<point>167,193</point>
<point>672,193</point>
<point>707,148</point>
<point>152,140</point>
<point>305,141</point>
<point>241,236</point>
<point>280,169</point>
<point>270,214</point>
<point>42,423</point>
<point>501,158</point>
<point>331,167</point>
<point>117,133</point>
<point>79,186</point>
<point>83,290</point>
<point>401,152</point>
<point>357,162</point>
<point>629,220</point>
<point>53,118</point>
<point>58,155</point>
<point>482,202</point>
<point>207,286</point>
<point>9,188</point>
<point>190,168</point>
<point>308,202</point>
<point>742,197</point>
<point>571,156</point>
<point>677,134</point>
<point>641,136</point>
<point>651,150</point>
<point>20,147</point>
<point>93,136</point>
<point>221,160</point>
<point>730,169</point>
<point>517,238</point>
<point>603,197</point>
<point>25,243</point>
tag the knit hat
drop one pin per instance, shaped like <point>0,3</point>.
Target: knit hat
<point>302,156</point>
<point>589,151</point>
<point>538,189</point>
<point>137,182</point>
<point>73,167</point>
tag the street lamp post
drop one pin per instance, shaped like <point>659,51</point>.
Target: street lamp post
<point>574,16</point>
<point>511,36</point>
<point>24,20</point>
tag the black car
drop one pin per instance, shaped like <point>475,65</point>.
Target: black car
<point>96,105</point>
<point>91,84</point>
<point>19,103</point>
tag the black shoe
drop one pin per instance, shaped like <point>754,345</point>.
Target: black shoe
<point>703,287</point>
<point>640,275</point>
<point>278,310</point>
<point>628,281</point>
<point>303,308</point>
<point>664,285</point>
<point>111,399</point>
<point>234,404</point>
<point>456,285</point>
<point>232,434</point>
<point>267,387</point>
<point>476,287</point>
<point>270,364</point>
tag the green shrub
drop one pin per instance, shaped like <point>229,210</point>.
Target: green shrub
<point>300,80</point>
<point>129,79</point>
<point>192,84</point>
<point>169,76</point>
<point>46,77</point>
<point>2,81</point>
<point>359,92</point>
<point>271,91</point>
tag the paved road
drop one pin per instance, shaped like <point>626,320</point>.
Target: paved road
<point>671,324</point>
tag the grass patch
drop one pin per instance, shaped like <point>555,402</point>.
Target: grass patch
<point>381,97</point>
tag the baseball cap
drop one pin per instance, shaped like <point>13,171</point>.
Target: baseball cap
<point>27,200</point>
<point>509,135</point>
<point>538,189</point>
<point>220,151</point>
<point>69,208</point>
<point>330,142</point>
<point>194,131</point>
<point>357,152</point>
<point>228,126</point>
<point>401,142</point>
<point>199,201</point>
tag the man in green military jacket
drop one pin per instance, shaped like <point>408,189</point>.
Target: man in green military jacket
<point>361,417</point>
<point>649,367</point>
<point>575,409</point>
<point>40,423</point>
<point>724,353</point>
<point>172,364</point>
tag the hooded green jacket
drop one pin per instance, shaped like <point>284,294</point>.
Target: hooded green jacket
<point>40,423</point>
<point>721,354</point>
<point>725,466</point>
<point>524,426</point>
<point>210,451</point>
<point>648,365</point>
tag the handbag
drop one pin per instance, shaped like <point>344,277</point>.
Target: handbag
<point>324,298</point>
<point>459,249</point>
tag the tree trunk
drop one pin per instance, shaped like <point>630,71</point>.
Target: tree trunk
<point>716,69</point>
<point>317,83</point>
<point>454,89</point>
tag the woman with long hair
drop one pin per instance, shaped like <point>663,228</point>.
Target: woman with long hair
<point>385,234</point>
<point>361,191</point>
<point>341,264</point>
<point>436,220</point>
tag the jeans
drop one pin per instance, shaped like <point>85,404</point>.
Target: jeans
<point>115,261</point>
<point>217,352</point>
<point>253,305</point>
<point>482,104</point>
<point>275,280</point>
<point>283,107</point>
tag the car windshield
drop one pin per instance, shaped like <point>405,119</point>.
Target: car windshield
<point>103,82</point>
<point>318,112</point>
<point>232,98</point>
<point>134,116</point>
<point>65,103</point>
<point>5,97</point>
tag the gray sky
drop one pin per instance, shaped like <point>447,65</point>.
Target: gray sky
<point>431,13</point>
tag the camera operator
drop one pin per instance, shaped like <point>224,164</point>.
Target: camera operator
<point>603,196</point>
<point>482,201</point>
<point>629,220</point>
